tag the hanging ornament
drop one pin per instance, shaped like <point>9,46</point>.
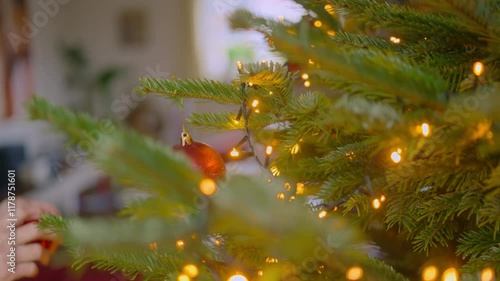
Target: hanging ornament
<point>204,157</point>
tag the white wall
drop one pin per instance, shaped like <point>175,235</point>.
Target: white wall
<point>93,24</point>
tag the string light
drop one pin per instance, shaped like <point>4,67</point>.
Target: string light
<point>331,32</point>
<point>430,273</point>
<point>255,103</point>
<point>183,277</point>
<point>234,153</point>
<point>395,40</point>
<point>487,274</point>
<point>318,23</point>
<point>271,260</point>
<point>239,65</point>
<point>354,273</point>
<point>190,270</point>
<point>311,61</point>
<point>269,150</point>
<point>287,186</point>
<point>250,84</point>
<point>322,214</point>
<point>305,76</point>
<point>153,246</point>
<point>329,9</point>
<point>396,156</point>
<point>237,277</point>
<point>217,242</point>
<point>275,171</point>
<point>257,111</point>
<point>270,93</point>
<point>208,186</point>
<point>426,129</point>
<point>382,198</point>
<point>260,273</point>
<point>376,203</point>
<point>451,274</point>
<point>281,18</point>
<point>281,196</point>
<point>300,188</point>
<point>307,84</point>
<point>179,244</point>
<point>478,68</point>
<point>295,149</point>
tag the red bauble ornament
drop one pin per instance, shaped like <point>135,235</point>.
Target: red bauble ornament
<point>204,157</point>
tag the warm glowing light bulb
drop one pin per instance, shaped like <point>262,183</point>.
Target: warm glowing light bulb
<point>376,204</point>
<point>271,93</point>
<point>426,129</point>
<point>300,188</point>
<point>487,274</point>
<point>250,84</point>
<point>281,18</point>
<point>260,273</point>
<point>478,68</point>
<point>190,270</point>
<point>395,40</point>
<point>281,196</point>
<point>275,171</point>
<point>396,157</point>
<point>234,153</point>
<point>269,150</point>
<point>382,198</point>
<point>239,64</point>
<point>451,274</point>
<point>329,9</point>
<point>322,214</point>
<point>179,244</point>
<point>255,103</point>
<point>295,149</point>
<point>318,23</point>
<point>354,273</point>
<point>430,273</point>
<point>183,277</point>
<point>307,84</point>
<point>208,186</point>
<point>153,246</point>
<point>305,76</point>
<point>237,277</point>
<point>331,32</point>
<point>311,61</point>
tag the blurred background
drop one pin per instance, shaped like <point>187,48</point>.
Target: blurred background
<point>88,55</point>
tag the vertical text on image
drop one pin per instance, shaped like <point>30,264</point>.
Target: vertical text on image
<point>11,220</point>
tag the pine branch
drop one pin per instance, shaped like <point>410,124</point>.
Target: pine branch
<point>407,23</point>
<point>149,265</point>
<point>226,121</point>
<point>382,71</point>
<point>191,88</point>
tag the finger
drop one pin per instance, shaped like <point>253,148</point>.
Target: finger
<point>26,269</point>
<point>33,210</point>
<point>30,232</point>
<point>32,252</point>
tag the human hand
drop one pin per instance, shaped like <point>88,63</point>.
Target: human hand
<point>21,236</point>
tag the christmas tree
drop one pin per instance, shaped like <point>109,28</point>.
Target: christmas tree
<point>393,130</point>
